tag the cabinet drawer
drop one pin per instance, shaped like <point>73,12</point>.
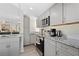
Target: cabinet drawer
<point>51,41</point>
<point>62,53</point>
<point>70,49</point>
<point>14,39</point>
<point>3,41</point>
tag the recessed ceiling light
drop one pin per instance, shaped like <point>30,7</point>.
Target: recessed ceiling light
<point>31,8</point>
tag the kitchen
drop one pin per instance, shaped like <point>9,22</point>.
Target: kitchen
<point>28,30</point>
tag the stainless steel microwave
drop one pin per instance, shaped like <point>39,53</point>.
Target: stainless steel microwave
<point>46,21</point>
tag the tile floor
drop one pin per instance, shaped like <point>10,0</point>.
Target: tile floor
<point>30,51</point>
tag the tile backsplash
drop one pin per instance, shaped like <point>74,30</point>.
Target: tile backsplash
<point>71,31</point>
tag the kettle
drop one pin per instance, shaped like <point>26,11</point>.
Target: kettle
<point>59,33</point>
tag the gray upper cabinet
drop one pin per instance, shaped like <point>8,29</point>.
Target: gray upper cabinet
<point>46,14</point>
<point>56,14</point>
<point>71,12</point>
<point>61,13</point>
<point>39,22</point>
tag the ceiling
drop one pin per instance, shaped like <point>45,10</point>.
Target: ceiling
<point>33,9</point>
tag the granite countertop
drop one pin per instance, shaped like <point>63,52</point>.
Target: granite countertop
<point>7,33</point>
<point>70,42</point>
<point>10,36</point>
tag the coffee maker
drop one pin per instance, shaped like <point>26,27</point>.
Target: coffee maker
<point>53,32</point>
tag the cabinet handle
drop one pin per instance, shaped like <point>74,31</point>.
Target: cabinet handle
<point>56,52</point>
<point>8,46</point>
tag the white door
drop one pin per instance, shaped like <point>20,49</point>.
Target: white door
<point>26,30</point>
<point>50,48</point>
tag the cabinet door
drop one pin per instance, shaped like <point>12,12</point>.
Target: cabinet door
<point>56,14</point>
<point>46,14</point>
<point>49,48</point>
<point>3,46</point>
<point>3,49</point>
<point>61,51</point>
<point>39,22</point>
<point>14,47</point>
<point>65,50</point>
<point>33,39</point>
<point>71,12</point>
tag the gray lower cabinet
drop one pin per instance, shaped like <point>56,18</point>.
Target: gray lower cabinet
<point>65,50</point>
<point>33,38</point>
<point>9,46</point>
<point>55,48</point>
<point>3,49</point>
<point>50,48</point>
